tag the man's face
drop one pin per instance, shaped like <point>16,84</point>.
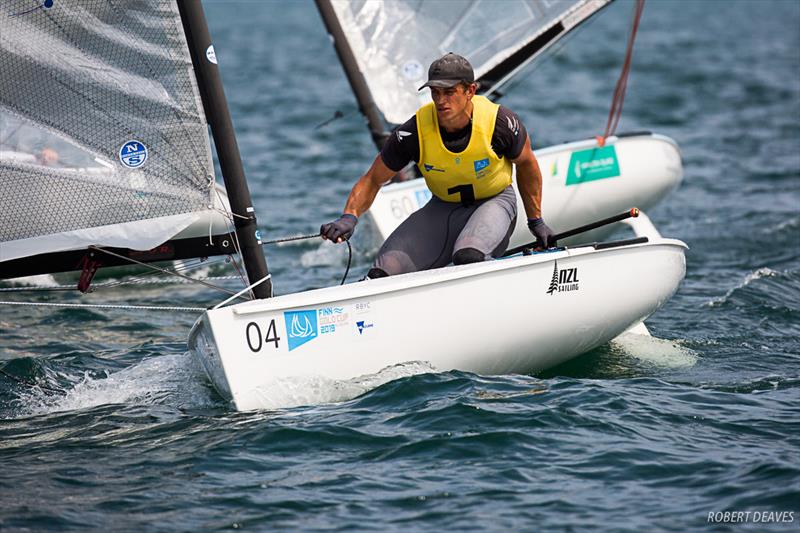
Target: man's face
<point>451,102</point>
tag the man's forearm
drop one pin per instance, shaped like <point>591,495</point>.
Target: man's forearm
<point>361,196</point>
<point>529,183</point>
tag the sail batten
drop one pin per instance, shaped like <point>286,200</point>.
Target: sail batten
<point>394,41</point>
<point>101,127</point>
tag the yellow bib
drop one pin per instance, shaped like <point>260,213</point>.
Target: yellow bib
<point>477,166</point>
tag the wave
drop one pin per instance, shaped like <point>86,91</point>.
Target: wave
<point>761,385</point>
<point>772,289</point>
<point>171,379</point>
<point>282,393</point>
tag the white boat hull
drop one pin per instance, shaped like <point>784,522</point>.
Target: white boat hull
<point>517,315</point>
<point>648,167</point>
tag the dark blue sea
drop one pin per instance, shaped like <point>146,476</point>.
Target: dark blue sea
<point>704,419</point>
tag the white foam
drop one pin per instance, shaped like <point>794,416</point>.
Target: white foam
<point>659,352</point>
<point>788,223</point>
<point>42,280</point>
<point>169,379</point>
<point>763,272</point>
<point>315,390</point>
<point>326,254</point>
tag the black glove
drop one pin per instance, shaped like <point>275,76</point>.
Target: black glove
<point>340,229</point>
<point>544,235</point>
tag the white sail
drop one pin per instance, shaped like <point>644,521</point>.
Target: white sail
<point>103,139</point>
<point>394,41</point>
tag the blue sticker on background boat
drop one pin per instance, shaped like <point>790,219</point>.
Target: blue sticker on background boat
<point>595,163</point>
<point>301,327</point>
<point>423,196</point>
<point>133,154</point>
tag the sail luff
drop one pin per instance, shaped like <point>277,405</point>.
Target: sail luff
<point>216,108</point>
<point>366,103</point>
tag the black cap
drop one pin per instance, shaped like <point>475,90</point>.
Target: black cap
<point>448,71</point>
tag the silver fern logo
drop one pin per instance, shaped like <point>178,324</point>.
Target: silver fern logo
<point>563,280</point>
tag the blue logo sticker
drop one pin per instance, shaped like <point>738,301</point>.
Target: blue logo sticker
<point>133,154</point>
<point>423,196</point>
<point>480,165</point>
<point>428,168</point>
<point>362,325</point>
<point>301,327</point>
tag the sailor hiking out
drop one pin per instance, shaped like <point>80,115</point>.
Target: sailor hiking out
<point>464,145</point>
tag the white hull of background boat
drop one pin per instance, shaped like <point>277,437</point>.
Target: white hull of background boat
<point>581,183</point>
<point>516,315</point>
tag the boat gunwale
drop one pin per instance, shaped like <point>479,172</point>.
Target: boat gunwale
<point>324,295</point>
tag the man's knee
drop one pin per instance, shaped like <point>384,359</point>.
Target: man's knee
<point>468,255</point>
<point>375,273</point>
<point>394,262</point>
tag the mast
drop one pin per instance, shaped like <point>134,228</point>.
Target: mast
<point>356,78</point>
<point>230,160</point>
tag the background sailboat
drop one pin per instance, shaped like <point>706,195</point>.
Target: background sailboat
<point>385,49</point>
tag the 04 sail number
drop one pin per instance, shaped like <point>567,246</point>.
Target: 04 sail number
<point>256,339</point>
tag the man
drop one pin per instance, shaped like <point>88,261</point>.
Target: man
<point>464,146</point>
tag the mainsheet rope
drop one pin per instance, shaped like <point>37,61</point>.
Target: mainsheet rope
<point>106,306</point>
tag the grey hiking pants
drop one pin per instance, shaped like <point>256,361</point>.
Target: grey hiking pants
<point>443,232</point>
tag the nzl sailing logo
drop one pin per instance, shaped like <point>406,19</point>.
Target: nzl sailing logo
<point>301,327</point>
<point>133,154</point>
<point>564,280</point>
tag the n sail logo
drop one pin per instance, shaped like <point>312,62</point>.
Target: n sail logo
<point>301,327</point>
<point>133,154</point>
<point>563,280</point>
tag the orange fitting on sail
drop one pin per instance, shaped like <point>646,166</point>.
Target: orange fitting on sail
<point>601,141</point>
<point>634,212</point>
